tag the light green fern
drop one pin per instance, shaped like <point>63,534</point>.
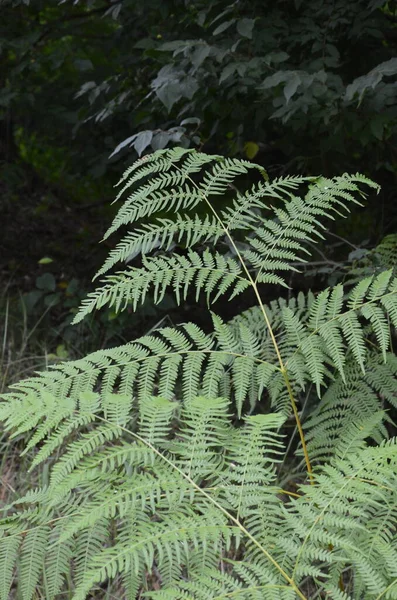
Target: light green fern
<point>253,461</point>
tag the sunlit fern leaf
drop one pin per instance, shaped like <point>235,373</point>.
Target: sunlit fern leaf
<point>167,184</point>
<point>167,171</point>
<point>53,419</point>
<point>34,405</point>
<point>279,242</point>
<point>140,493</point>
<point>224,172</point>
<point>117,408</point>
<point>157,469</point>
<point>155,415</point>
<point>338,331</point>
<point>347,493</point>
<point>58,435</point>
<point>159,162</point>
<point>354,336</point>
<point>242,378</point>
<point>175,169</point>
<point>87,443</point>
<point>153,539</point>
<point>135,368</point>
<point>246,208</point>
<point>220,585</point>
<point>309,354</point>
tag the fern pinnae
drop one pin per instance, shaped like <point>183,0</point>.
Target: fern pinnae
<point>159,162</point>
<point>142,551</point>
<point>216,504</point>
<point>240,215</point>
<point>159,274</point>
<point>223,173</point>
<point>347,322</point>
<point>353,466</point>
<point>298,219</point>
<point>155,415</point>
<point>32,559</point>
<point>162,234</point>
<point>268,324</point>
<point>118,504</point>
<point>9,547</point>
<point>57,562</point>
<point>88,442</point>
<point>88,544</point>
<point>55,439</point>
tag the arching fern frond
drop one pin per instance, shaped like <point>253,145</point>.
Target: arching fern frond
<point>181,180</point>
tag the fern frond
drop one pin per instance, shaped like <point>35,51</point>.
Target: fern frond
<point>204,430</point>
<point>163,234</point>
<point>89,542</point>
<point>348,492</point>
<point>166,456</point>
<point>373,299</point>
<point>277,241</point>
<point>197,530</point>
<point>212,583</point>
<point>210,272</point>
<point>246,209</point>
<point>245,482</point>
<point>352,407</point>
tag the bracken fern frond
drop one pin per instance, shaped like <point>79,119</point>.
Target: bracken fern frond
<point>254,460</point>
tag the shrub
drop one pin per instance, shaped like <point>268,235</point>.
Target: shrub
<point>174,471</point>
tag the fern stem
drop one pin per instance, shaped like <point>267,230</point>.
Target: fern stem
<point>215,503</point>
<point>253,588</point>
<point>383,487</point>
<point>268,325</point>
<point>393,583</point>
<point>298,424</point>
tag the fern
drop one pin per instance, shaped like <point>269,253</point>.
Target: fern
<point>251,461</point>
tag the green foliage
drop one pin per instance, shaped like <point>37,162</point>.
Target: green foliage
<point>310,81</point>
<point>175,469</point>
